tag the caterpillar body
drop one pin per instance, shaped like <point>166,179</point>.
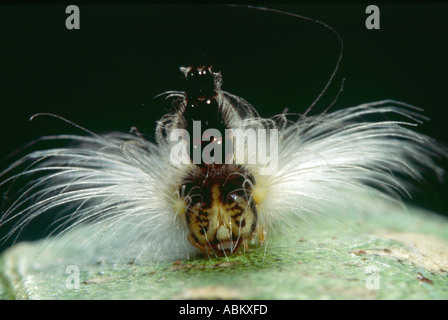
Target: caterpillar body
<point>130,190</point>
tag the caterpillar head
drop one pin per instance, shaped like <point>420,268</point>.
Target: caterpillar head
<point>220,213</point>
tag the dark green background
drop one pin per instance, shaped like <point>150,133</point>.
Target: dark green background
<point>104,76</point>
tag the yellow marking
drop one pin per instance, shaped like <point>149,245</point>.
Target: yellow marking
<point>215,192</point>
<point>260,189</point>
<point>261,233</point>
<point>258,194</point>
<point>179,207</point>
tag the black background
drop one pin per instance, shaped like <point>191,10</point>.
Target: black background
<point>105,75</point>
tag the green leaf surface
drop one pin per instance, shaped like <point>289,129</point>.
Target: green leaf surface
<point>391,254</point>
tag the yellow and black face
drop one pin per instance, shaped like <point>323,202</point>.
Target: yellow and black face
<point>216,199</point>
<point>220,213</point>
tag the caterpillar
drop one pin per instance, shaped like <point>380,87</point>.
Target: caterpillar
<point>218,178</point>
